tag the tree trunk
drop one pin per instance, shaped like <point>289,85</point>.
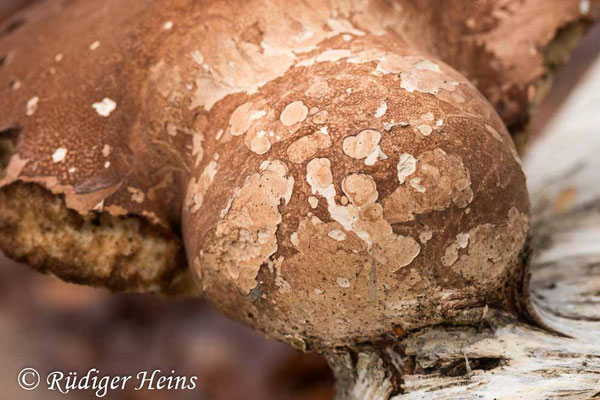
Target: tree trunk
<point>504,356</point>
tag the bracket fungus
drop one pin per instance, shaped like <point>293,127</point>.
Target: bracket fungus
<point>320,171</point>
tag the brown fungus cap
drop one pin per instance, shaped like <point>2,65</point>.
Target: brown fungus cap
<point>379,191</point>
<point>328,175</point>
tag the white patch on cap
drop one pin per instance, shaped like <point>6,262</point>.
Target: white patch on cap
<point>99,206</point>
<point>428,66</point>
<point>257,115</point>
<point>494,133</point>
<point>415,183</point>
<point>406,166</point>
<point>451,252</point>
<point>293,113</point>
<point>59,57</point>
<point>197,57</point>
<point>425,130</point>
<point>32,105</point>
<point>336,234</point>
<point>59,154</point>
<point>381,110</point>
<point>342,282</point>
<point>105,107</point>
<point>425,236</point>
<point>95,45</point>
<point>427,117</point>
<point>387,126</point>
<point>136,194</point>
<point>584,6</point>
<point>364,145</point>
<point>462,240</point>
<point>260,144</point>
<point>333,55</point>
<point>294,239</point>
<point>167,26</point>
<point>339,25</point>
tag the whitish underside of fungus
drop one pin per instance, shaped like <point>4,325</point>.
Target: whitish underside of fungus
<point>324,169</point>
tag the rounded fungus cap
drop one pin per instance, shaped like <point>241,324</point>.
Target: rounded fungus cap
<point>361,196</point>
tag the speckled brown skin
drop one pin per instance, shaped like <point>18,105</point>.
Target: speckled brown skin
<point>508,49</point>
<point>322,283</point>
<point>332,177</point>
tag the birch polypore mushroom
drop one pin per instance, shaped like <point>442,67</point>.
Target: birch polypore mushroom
<point>345,229</point>
<point>332,178</point>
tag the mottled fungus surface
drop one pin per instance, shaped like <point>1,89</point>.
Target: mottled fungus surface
<point>324,169</point>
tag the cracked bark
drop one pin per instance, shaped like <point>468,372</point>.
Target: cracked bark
<point>504,357</point>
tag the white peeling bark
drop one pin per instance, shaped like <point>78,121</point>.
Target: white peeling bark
<point>503,358</point>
